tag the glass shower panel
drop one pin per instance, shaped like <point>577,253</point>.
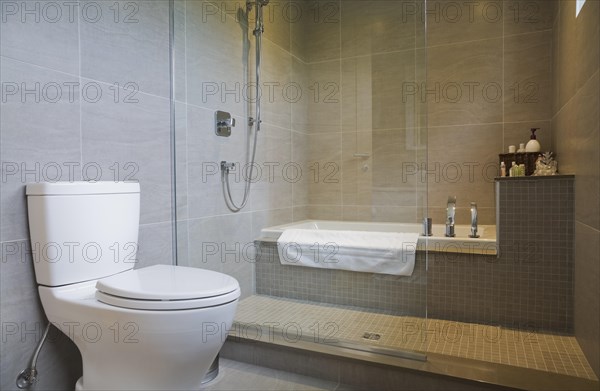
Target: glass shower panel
<point>340,113</point>
<point>363,126</point>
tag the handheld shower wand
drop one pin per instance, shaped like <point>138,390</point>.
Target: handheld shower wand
<point>226,167</point>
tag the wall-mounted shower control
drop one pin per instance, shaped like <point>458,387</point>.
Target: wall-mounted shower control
<point>223,123</point>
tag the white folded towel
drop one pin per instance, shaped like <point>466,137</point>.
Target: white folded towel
<point>360,251</point>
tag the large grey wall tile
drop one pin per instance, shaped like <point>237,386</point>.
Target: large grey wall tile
<point>324,169</point>
<point>555,65</point>
<point>276,73</point>
<point>563,137</point>
<point>299,109</point>
<point>224,244</point>
<point>374,26</point>
<point>155,245</point>
<point>322,34</point>
<point>454,22</point>
<point>358,79</point>
<point>567,49</point>
<point>299,170</point>
<point>395,169</point>
<point>357,183</point>
<point>39,139</point>
<point>135,137</point>
<point>393,214</point>
<point>131,46</point>
<point>391,75</point>
<point>278,18</point>
<point>218,75</point>
<point>323,212</point>
<point>524,16</point>
<point>300,213</point>
<point>527,77</point>
<point>182,243</point>
<point>587,159</point>
<point>268,218</point>
<point>466,174</point>
<point>465,81</point>
<point>181,161</point>
<point>273,178</point>
<point>41,33</point>
<point>179,47</point>
<point>374,91</point>
<point>324,97</point>
<point>299,25</point>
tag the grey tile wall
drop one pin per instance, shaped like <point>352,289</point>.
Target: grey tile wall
<point>352,59</point>
<point>508,46</point>
<point>576,136</point>
<point>215,43</point>
<point>74,116</point>
<point>503,49</point>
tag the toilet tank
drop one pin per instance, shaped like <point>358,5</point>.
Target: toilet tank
<point>82,231</point>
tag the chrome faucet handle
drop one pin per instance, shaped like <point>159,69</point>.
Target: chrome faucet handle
<point>450,210</point>
<point>450,216</point>
<point>473,220</point>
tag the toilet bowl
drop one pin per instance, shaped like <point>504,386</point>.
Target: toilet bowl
<point>153,328</point>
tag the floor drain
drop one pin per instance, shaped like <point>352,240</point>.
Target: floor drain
<point>371,336</point>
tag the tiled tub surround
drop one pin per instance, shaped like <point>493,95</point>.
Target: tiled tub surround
<point>536,234</point>
<point>399,295</point>
<point>462,287</point>
<point>529,285</point>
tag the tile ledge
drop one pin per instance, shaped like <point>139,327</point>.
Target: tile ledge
<point>535,178</point>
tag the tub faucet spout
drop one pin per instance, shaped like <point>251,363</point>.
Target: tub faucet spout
<point>450,213</point>
<point>473,220</point>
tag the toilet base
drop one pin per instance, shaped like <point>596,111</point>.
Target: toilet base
<point>213,371</point>
<point>211,375</point>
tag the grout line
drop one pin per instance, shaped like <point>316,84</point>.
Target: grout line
<point>80,96</point>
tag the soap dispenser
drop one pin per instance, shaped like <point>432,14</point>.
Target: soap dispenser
<point>533,145</point>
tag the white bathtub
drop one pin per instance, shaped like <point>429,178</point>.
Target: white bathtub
<point>461,243</point>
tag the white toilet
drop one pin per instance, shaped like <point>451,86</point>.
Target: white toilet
<point>153,328</point>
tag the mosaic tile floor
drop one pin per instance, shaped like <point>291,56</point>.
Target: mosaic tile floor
<point>295,319</point>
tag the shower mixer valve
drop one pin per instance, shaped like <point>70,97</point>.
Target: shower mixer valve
<point>223,123</point>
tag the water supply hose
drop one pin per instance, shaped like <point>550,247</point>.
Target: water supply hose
<point>28,376</point>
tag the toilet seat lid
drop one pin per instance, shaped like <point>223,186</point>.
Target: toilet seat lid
<point>168,283</point>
